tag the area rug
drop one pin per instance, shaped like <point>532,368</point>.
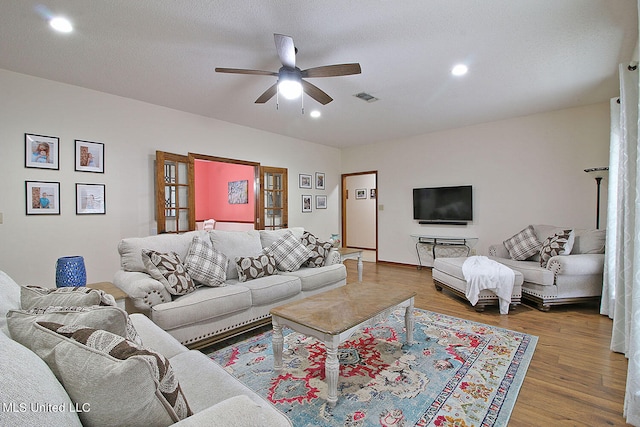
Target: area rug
<point>457,373</point>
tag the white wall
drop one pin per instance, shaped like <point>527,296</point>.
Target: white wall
<point>132,131</point>
<point>527,170</point>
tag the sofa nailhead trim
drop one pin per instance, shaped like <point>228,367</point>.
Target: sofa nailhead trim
<point>228,328</point>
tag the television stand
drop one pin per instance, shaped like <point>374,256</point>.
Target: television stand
<point>448,246</point>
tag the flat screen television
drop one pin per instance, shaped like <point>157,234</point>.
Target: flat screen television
<point>443,205</point>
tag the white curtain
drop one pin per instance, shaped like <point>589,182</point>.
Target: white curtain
<point>621,291</point>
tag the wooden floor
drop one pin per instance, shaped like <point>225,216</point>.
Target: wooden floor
<point>573,379</point>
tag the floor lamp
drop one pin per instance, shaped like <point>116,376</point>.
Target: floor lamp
<point>598,174</point>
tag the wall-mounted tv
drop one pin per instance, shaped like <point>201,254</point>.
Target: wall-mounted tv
<point>443,205</point>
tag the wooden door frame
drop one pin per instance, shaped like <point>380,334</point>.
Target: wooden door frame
<point>344,204</point>
<point>192,184</point>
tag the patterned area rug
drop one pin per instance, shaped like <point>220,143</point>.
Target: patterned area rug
<point>457,373</point>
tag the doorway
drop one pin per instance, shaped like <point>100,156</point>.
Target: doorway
<point>360,212</point>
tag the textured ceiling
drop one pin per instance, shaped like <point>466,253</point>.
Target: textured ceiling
<point>524,57</point>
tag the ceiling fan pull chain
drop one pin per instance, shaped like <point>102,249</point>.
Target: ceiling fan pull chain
<point>302,102</point>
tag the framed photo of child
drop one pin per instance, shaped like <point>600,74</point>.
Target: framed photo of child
<point>90,199</point>
<point>41,151</point>
<point>89,156</point>
<point>43,198</point>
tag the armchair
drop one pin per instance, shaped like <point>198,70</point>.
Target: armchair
<point>565,279</point>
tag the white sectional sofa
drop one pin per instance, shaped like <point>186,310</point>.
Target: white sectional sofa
<point>35,391</point>
<point>203,316</point>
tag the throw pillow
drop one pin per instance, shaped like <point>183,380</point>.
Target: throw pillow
<point>120,382</point>
<point>589,242</point>
<point>288,252</point>
<point>204,264</point>
<point>167,268</point>
<point>319,249</point>
<point>109,318</point>
<point>523,245</point>
<point>32,296</point>
<point>560,243</point>
<point>250,268</point>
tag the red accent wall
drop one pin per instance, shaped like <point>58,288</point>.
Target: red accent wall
<point>212,191</point>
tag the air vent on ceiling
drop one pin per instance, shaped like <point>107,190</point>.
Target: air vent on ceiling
<point>366,97</point>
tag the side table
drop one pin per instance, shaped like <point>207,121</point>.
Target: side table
<point>351,253</point>
<point>119,295</point>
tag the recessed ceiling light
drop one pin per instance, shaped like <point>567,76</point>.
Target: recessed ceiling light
<point>459,70</point>
<point>315,114</point>
<point>61,24</point>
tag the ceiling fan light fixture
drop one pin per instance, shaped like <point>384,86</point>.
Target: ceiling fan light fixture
<point>290,89</point>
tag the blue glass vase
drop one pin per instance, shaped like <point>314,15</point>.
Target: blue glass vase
<point>70,271</point>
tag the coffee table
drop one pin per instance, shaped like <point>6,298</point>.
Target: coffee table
<point>333,316</point>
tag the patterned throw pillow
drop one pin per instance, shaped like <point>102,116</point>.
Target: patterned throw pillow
<point>288,252</point>
<point>205,264</point>
<point>560,243</point>
<point>167,268</point>
<point>250,268</point>
<point>523,245</point>
<point>117,378</point>
<point>32,296</point>
<point>109,318</point>
<point>319,249</point>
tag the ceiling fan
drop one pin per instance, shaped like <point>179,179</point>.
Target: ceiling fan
<point>290,83</point>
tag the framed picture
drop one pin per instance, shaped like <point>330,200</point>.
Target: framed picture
<point>320,180</point>
<point>361,193</point>
<point>306,203</point>
<point>42,198</point>
<point>89,156</point>
<point>372,193</point>
<point>321,202</point>
<point>238,192</point>
<point>90,199</point>
<point>305,180</point>
<point>41,151</point>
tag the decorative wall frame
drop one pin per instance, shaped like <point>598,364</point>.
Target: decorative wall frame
<point>372,193</point>
<point>320,180</point>
<point>90,199</point>
<point>361,193</point>
<point>304,180</point>
<point>306,203</point>
<point>42,198</point>
<point>41,151</point>
<point>89,156</point>
<point>321,202</point>
<point>238,192</point>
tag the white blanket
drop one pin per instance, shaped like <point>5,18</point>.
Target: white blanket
<point>481,273</point>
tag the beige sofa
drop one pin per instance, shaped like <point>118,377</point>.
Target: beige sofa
<point>571,278</point>
<point>31,394</point>
<point>210,313</point>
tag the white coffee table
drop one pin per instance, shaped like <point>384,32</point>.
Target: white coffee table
<point>334,316</point>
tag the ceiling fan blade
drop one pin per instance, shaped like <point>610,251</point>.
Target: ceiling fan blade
<point>316,93</point>
<point>286,50</point>
<point>268,94</point>
<point>332,70</point>
<point>243,71</point>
